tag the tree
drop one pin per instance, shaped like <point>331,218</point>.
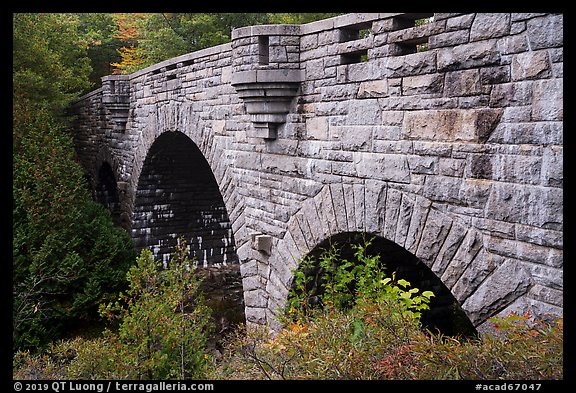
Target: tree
<point>152,38</point>
<point>49,63</point>
<point>99,33</point>
<point>129,33</point>
<point>164,322</point>
<point>67,255</point>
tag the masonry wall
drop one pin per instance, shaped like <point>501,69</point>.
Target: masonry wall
<point>445,138</point>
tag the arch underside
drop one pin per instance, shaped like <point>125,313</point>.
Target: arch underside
<point>455,253</point>
<point>177,196</point>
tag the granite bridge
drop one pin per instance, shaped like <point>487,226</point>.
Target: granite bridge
<point>443,139</point>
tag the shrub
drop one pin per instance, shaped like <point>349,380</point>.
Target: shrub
<point>164,322</point>
<point>67,254</point>
<point>520,350</point>
<point>163,325</point>
<point>339,327</point>
<point>335,283</point>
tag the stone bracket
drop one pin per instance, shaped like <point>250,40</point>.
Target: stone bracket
<point>262,243</point>
<point>267,95</point>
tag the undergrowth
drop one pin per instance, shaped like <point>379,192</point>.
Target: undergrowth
<point>357,323</point>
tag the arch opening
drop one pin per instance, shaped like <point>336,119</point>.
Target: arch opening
<point>107,191</point>
<point>178,197</point>
<point>445,314</point>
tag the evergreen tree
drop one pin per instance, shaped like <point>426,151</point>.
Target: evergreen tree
<point>67,255</point>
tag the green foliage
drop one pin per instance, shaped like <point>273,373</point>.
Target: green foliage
<point>67,255</point>
<point>162,328</point>
<point>517,351</point>
<point>340,284</point>
<point>368,342</point>
<point>98,33</point>
<point>49,60</point>
<point>161,36</point>
<point>298,18</point>
<point>164,322</point>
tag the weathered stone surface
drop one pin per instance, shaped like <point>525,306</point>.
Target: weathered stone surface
<point>453,154</point>
<point>545,32</point>
<point>547,100</point>
<point>530,65</point>
<point>422,84</point>
<point>489,26</point>
<point>451,124</point>
<point>482,53</point>
<point>508,282</point>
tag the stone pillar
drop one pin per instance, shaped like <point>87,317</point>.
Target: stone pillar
<point>116,100</point>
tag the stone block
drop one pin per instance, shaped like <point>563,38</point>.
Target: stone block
<point>462,83</point>
<point>449,39</point>
<point>434,234</point>
<point>530,65</point>
<point>474,125</point>
<point>373,89</point>
<point>389,167</point>
<point>393,200</point>
<point>482,266</point>
<point>508,282</point>
<point>552,171</point>
<point>262,243</point>
<point>417,223</point>
<point>548,100</point>
<point>489,25</point>
<point>470,246</point>
<point>546,32</point>
<point>422,84</point>
<point>476,54</point>
<point>412,64</point>
<point>363,112</point>
<point>449,247</point>
<point>317,128</point>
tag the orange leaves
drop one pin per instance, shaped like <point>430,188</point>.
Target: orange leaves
<point>128,31</point>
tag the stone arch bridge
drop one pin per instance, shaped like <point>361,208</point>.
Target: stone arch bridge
<point>443,138</point>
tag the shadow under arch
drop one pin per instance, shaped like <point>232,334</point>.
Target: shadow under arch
<point>445,314</point>
<point>106,191</point>
<point>177,196</point>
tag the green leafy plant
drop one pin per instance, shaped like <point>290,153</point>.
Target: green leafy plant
<point>335,283</point>
<point>164,322</point>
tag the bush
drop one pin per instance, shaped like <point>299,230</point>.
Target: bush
<point>520,350</point>
<point>332,283</point>
<point>341,318</point>
<point>163,326</point>
<point>347,320</point>
<point>164,322</point>
<point>339,344</point>
<point>67,254</point>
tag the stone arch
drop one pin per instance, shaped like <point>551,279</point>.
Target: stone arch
<point>454,252</point>
<point>108,187</point>
<point>183,117</point>
<point>445,314</point>
<point>107,191</point>
<point>177,195</point>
